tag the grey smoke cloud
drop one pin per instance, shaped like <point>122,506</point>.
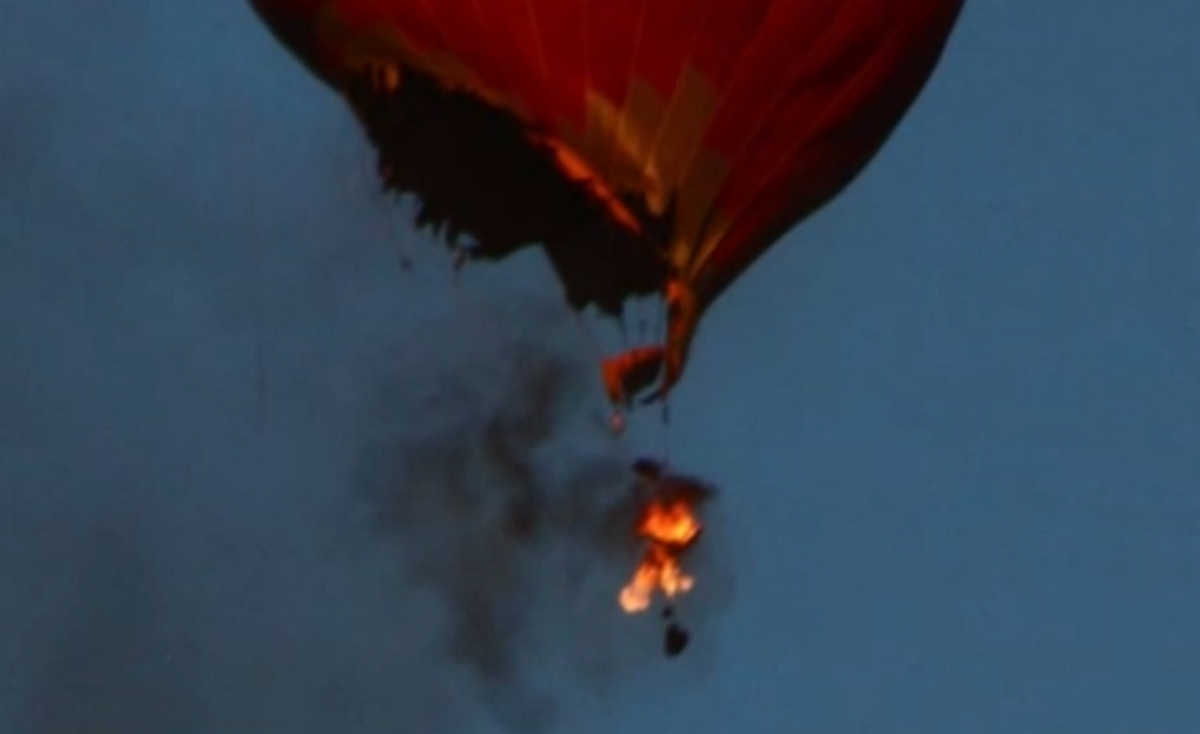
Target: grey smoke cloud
<point>253,475</point>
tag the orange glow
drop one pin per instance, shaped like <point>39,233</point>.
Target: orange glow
<point>574,167</point>
<point>669,528</point>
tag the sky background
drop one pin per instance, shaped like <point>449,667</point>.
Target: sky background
<point>955,416</point>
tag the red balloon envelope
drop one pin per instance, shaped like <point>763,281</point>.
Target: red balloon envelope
<point>647,145</point>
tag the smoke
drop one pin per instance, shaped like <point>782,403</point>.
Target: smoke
<point>501,492</point>
<point>255,475</point>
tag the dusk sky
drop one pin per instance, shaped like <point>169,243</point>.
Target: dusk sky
<point>954,417</point>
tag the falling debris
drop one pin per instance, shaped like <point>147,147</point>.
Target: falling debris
<point>669,525</point>
<point>676,639</point>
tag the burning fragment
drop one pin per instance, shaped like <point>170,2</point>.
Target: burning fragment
<point>669,528</point>
<point>668,525</point>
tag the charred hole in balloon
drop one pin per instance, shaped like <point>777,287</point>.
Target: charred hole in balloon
<point>475,171</point>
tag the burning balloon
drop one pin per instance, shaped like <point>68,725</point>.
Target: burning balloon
<point>649,148</point>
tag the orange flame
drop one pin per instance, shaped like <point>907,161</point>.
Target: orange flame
<point>670,528</point>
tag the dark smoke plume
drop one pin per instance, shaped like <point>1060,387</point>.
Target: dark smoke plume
<point>500,489</point>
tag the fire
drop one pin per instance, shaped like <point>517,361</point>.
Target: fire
<point>670,528</point>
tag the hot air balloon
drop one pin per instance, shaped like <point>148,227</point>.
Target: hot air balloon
<point>649,146</point>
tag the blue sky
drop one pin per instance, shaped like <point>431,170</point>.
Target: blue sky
<point>955,414</point>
